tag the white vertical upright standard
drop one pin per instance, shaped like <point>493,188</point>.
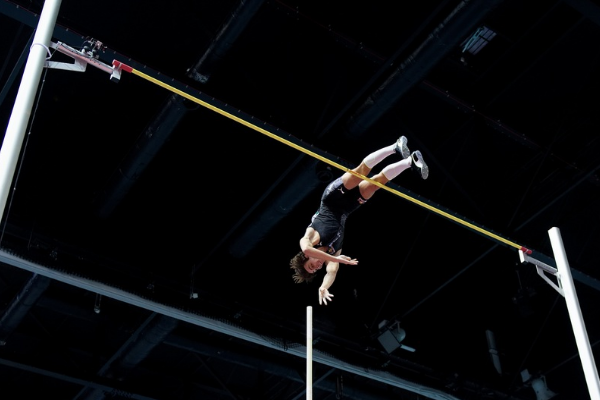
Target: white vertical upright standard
<point>309,340</point>
<point>15,131</point>
<point>581,337</point>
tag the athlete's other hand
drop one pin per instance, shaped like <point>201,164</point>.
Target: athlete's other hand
<point>324,296</point>
<point>347,260</point>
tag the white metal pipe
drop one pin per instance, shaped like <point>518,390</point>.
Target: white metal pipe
<point>309,341</point>
<point>581,337</point>
<point>15,131</point>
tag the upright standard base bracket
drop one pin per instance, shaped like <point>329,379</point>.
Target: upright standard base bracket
<point>81,59</point>
<point>543,269</point>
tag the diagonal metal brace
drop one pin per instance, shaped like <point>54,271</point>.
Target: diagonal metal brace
<point>80,61</point>
<point>543,269</point>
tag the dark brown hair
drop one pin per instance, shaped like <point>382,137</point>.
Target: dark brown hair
<point>300,274</point>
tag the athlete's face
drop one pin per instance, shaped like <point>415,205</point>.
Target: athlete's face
<point>312,265</point>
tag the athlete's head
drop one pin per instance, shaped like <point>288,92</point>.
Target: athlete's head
<point>304,267</point>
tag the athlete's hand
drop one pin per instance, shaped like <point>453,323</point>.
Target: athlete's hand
<point>324,296</point>
<point>347,260</point>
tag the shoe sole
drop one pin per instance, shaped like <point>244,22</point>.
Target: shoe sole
<point>424,171</point>
<point>420,163</point>
<point>402,144</point>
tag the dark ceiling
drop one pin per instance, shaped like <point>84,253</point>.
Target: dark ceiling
<point>148,229</point>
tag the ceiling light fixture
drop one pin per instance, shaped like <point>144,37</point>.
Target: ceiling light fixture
<point>392,336</point>
<point>538,384</point>
<point>478,40</point>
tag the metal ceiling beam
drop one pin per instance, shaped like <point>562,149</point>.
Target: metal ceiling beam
<point>151,333</point>
<point>261,364</point>
<point>588,9</point>
<point>21,305</point>
<point>70,379</point>
<point>141,154</point>
<point>226,37</point>
<point>175,108</point>
<point>159,329</point>
<point>443,39</point>
<point>221,327</point>
<point>17,68</point>
<point>216,377</point>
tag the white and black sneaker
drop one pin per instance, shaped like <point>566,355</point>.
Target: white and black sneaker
<point>418,164</point>
<point>402,147</point>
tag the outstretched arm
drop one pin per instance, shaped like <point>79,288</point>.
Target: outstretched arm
<point>306,244</point>
<point>328,279</point>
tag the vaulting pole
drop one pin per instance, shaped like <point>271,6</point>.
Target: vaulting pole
<point>309,340</point>
<point>15,131</point>
<point>581,337</point>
